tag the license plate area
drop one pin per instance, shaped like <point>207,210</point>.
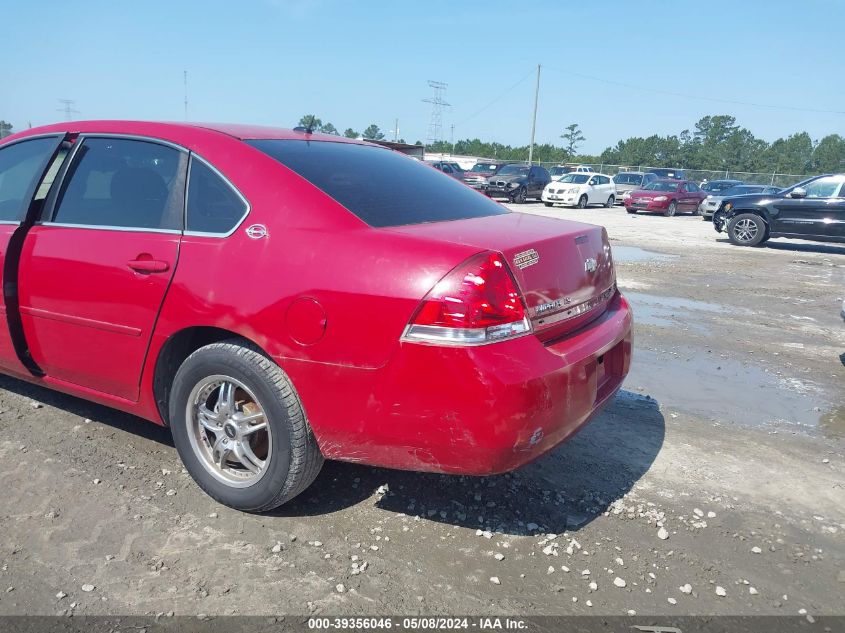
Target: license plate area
<point>609,369</point>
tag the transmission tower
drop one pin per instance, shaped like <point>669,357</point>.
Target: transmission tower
<point>435,124</point>
<point>68,109</point>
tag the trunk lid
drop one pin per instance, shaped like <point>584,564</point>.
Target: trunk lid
<point>564,269</point>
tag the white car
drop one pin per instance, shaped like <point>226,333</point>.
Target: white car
<point>580,189</point>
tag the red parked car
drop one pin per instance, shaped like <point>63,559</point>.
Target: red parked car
<point>665,196</point>
<point>279,298</point>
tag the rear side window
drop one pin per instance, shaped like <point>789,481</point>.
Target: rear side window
<point>123,183</point>
<point>380,186</point>
<point>213,206</point>
<point>20,164</point>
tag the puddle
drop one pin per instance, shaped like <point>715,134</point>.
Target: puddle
<point>671,311</point>
<point>725,390</point>
<point>637,254</point>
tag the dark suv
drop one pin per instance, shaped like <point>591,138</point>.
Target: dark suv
<point>811,210</point>
<point>517,183</point>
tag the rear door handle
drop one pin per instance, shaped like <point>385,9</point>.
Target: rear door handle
<point>148,265</point>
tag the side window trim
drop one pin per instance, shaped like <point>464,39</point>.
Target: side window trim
<point>66,173</point>
<point>247,206</point>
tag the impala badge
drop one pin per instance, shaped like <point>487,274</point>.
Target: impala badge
<point>256,231</point>
<point>590,265</point>
<point>526,258</point>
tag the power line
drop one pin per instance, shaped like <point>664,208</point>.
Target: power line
<point>499,98</point>
<point>694,97</point>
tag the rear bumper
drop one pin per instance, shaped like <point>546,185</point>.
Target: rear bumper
<point>477,410</point>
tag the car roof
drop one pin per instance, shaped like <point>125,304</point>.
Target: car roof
<point>172,130</point>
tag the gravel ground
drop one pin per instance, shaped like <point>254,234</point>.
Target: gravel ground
<point>713,484</point>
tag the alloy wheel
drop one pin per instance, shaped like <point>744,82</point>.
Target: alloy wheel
<point>228,430</point>
<point>745,230</point>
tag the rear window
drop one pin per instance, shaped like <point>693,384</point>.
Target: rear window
<point>380,186</point>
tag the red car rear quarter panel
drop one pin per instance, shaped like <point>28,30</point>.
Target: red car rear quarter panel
<point>473,410</point>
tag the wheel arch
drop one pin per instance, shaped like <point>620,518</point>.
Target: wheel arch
<point>176,349</point>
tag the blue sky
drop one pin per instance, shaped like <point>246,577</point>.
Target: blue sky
<point>356,63</point>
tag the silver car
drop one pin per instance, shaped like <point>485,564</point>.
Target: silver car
<point>628,181</point>
<point>711,203</point>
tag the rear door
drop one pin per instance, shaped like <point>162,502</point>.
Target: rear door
<point>98,265</point>
<point>22,167</point>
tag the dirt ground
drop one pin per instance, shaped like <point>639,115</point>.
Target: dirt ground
<point>727,439</point>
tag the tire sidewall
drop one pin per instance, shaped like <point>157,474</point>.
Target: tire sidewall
<point>582,202</point>
<point>208,362</point>
<point>671,210</point>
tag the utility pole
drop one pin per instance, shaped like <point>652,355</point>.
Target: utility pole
<point>68,109</point>
<point>185,77</point>
<point>534,120</point>
<point>396,131</point>
<point>452,138</point>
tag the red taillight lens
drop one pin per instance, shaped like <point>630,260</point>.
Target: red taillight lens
<point>476,302</point>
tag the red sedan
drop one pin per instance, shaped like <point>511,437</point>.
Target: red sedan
<point>279,298</point>
<point>665,196</point>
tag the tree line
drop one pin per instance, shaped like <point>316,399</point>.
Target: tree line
<point>715,143</point>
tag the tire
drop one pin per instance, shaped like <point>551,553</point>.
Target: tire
<point>245,481</point>
<point>610,202</point>
<point>631,211</point>
<point>671,209</point>
<point>519,196</point>
<point>747,229</point>
<point>582,202</point>
<point>698,210</point>
<point>548,204</point>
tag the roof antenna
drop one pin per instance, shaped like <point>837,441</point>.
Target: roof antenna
<point>309,126</point>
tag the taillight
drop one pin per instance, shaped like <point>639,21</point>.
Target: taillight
<point>477,302</point>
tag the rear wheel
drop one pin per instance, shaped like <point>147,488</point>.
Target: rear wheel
<point>747,229</point>
<point>671,209</point>
<point>240,429</point>
<point>610,202</point>
<point>698,209</point>
<point>582,202</point>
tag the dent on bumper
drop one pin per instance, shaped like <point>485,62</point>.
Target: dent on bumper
<point>481,410</point>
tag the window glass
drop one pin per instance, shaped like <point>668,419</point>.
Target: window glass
<point>824,187</point>
<point>380,186</point>
<point>20,164</point>
<point>628,179</point>
<point>123,183</point>
<point>213,206</point>
<point>52,172</point>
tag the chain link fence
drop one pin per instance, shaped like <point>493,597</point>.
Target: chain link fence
<point>754,178</point>
<point>698,175</point>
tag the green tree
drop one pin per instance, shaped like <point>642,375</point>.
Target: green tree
<point>829,154</point>
<point>5,129</point>
<point>573,138</point>
<point>373,133</point>
<point>310,121</point>
<point>328,128</point>
<point>350,133</point>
